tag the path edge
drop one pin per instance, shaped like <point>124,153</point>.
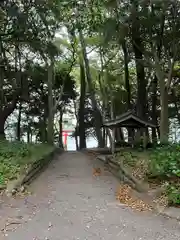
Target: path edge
<point>33,172</point>
<point>167,212</point>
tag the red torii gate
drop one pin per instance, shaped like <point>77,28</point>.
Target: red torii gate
<point>65,134</point>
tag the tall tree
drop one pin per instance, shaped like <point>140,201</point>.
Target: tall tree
<point>82,132</point>
<point>96,112</point>
<point>138,52</point>
<point>50,129</point>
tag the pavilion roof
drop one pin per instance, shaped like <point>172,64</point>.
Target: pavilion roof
<point>128,119</point>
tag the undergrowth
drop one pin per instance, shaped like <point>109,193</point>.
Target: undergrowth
<point>16,157</point>
<point>160,165</point>
<point>164,165</point>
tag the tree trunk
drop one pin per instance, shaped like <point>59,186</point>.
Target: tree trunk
<point>155,82</point>
<point>28,134</point>
<point>50,128</point>
<point>19,123</point>
<point>127,84</point>
<point>137,47</point>
<point>126,74</point>
<point>28,128</point>
<point>104,137</point>
<point>96,113</point>
<point>4,114</point>
<point>5,110</point>
<point>2,124</point>
<point>114,128</point>
<point>81,124</point>
<point>119,136</point>
<point>154,110</point>
<point>164,117</point>
<point>44,131</point>
<point>1,75</point>
<point>141,82</point>
<point>160,78</point>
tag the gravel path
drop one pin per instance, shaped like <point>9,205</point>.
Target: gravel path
<point>69,203</point>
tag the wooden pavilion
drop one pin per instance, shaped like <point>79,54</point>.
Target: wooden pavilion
<point>130,120</point>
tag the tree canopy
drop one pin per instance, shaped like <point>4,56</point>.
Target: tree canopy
<point>105,56</point>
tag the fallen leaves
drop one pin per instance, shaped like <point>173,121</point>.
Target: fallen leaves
<point>139,171</point>
<point>161,202</point>
<point>125,195</point>
<point>96,171</point>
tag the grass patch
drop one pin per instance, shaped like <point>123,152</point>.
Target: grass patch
<point>16,157</point>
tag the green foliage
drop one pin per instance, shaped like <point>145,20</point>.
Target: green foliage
<point>173,192</point>
<point>165,161</point>
<point>165,165</point>
<point>16,157</point>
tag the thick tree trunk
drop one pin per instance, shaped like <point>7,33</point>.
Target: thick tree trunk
<point>164,117</point>
<point>119,135</point>
<point>96,113</point>
<point>43,131</point>
<point>141,105</point>
<point>82,133</point>
<point>50,128</point>
<point>5,110</point>
<point>141,82</point>
<point>4,114</point>
<point>137,47</point>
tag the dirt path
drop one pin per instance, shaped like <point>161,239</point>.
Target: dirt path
<point>69,203</point>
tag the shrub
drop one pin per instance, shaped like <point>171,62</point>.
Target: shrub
<point>173,193</point>
<point>15,157</point>
<point>164,165</point>
<point>165,162</point>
